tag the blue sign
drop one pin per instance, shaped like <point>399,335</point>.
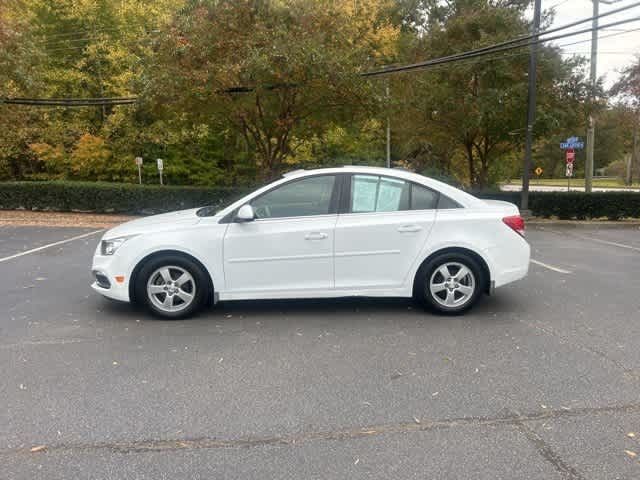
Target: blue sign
<point>572,142</point>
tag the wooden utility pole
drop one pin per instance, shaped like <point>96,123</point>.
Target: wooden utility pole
<point>531,109</point>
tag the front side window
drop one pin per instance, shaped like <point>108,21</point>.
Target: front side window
<point>371,193</point>
<point>300,198</point>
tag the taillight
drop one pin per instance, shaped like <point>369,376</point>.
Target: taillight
<point>516,223</point>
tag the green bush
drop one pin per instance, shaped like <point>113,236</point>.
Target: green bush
<point>576,205</point>
<point>110,197</point>
<point>145,199</point>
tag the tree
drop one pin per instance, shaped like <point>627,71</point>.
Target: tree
<point>478,105</point>
<point>275,70</point>
<point>627,89</point>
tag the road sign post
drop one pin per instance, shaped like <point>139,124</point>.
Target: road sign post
<point>571,145</point>
<point>160,168</point>
<point>570,157</point>
<point>139,164</point>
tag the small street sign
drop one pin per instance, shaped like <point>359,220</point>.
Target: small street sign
<point>139,164</point>
<point>571,143</point>
<point>160,168</point>
<point>570,156</point>
<point>538,171</point>
<point>569,172</point>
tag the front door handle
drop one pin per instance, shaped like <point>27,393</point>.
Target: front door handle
<point>409,228</point>
<point>315,236</point>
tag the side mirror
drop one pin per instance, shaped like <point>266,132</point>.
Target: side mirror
<point>245,214</point>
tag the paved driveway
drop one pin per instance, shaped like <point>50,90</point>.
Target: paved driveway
<point>540,381</point>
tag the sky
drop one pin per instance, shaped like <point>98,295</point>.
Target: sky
<point>616,51</point>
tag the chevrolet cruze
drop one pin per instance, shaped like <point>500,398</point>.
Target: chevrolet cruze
<point>335,232</point>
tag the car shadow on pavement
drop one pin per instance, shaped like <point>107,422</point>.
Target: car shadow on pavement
<point>488,307</point>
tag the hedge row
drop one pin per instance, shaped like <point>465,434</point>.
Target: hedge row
<point>576,205</point>
<point>110,197</point>
<point>145,199</point>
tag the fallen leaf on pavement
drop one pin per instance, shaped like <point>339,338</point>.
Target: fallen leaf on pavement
<point>39,448</point>
<point>631,435</point>
<point>631,453</point>
<point>417,420</point>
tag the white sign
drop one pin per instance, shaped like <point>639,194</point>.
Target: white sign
<point>139,161</point>
<point>569,170</point>
<point>160,164</point>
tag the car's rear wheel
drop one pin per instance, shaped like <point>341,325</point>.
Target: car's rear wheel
<point>450,283</point>
<point>172,287</point>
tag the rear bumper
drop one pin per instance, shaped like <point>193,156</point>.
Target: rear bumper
<point>509,264</point>
<point>512,275</point>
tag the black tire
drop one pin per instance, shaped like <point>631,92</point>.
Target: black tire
<point>201,286</point>
<point>431,269</point>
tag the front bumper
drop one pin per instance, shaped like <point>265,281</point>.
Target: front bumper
<point>105,269</point>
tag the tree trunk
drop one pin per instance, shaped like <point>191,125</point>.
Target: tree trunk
<point>472,172</point>
<point>634,155</point>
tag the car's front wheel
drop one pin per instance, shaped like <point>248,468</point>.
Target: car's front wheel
<point>450,283</point>
<point>172,286</point>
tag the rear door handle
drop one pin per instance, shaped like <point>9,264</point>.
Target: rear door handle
<point>409,228</point>
<point>315,236</point>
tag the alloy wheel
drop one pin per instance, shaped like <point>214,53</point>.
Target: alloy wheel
<point>452,284</point>
<point>171,288</point>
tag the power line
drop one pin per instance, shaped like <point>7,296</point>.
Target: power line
<point>508,43</point>
<point>623,32</point>
<point>70,102</point>
<point>519,42</point>
<point>499,47</point>
<point>600,53</point>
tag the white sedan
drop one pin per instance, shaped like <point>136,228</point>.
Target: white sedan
<point>335,232</point>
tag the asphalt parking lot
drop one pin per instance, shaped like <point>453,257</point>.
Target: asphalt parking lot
<point>540,381</point>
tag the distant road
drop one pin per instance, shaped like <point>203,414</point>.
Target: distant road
<point>552,188</point>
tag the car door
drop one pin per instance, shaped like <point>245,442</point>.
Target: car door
<point>288,248</point>
<point>379,235</point>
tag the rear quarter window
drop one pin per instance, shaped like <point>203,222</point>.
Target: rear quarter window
<point>423,198</point>
<point>445,202</point>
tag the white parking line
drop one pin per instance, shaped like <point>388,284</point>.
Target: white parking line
<point>550,267</point>
<point>606,242</point>
<point>34,250</point>
<point>592,239</point>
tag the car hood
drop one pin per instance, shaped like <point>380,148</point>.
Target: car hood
<point>155,223</point>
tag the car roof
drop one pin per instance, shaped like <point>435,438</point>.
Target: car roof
<point>456,194</point>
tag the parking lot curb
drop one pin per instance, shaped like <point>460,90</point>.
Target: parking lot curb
<point>591,224</point>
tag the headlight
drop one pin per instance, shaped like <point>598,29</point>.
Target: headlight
<point>109,247</point>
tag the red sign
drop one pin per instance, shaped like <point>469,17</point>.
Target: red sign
<point>571,156</point>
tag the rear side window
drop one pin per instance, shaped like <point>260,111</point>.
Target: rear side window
<point>423,198</point>
<point>371,193</point>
